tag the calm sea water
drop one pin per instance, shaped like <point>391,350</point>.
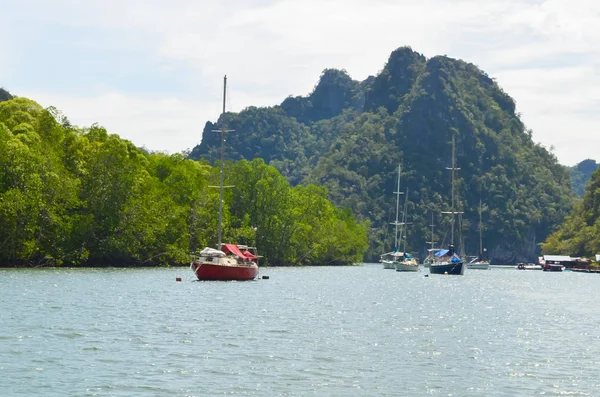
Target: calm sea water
<point>352,331</point>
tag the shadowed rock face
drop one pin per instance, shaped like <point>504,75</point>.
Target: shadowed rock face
<point>5,95</point>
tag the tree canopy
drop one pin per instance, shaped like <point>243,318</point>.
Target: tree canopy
<point>81,196</point>
<point>581,174</point>
<point>579,234</point>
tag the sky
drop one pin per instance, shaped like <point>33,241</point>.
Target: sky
<point>152,71</point>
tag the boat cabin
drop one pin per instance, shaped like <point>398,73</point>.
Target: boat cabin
<point>448,255</point>
<point>242,252</point>
<point>554,261</point>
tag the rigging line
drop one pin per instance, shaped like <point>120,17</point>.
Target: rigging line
<point>404,219</point>
<point>229,102</point>
<point>387,228</point>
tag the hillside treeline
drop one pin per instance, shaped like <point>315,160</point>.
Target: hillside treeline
<point>83,197</point>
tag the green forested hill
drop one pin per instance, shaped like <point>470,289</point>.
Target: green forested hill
<point>581,174</point>
<point>350,137</point>
<point>579,234</point>
<point>81,196</point>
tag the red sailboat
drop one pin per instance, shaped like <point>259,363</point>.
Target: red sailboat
<point>228,261</point>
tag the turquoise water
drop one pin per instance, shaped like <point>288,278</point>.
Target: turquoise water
<point>352,331</point>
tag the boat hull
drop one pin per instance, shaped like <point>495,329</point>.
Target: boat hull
<point>478,265</point>
<point>388,264</point>
<point>522,266</point>
<point>225,272</point>
<point>405,267</point>
<point>457,268</point>
<point>553,268</point>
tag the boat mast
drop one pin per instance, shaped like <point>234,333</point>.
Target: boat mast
<point>396,223</point>
<point>452,190</point>
<point>431,242</point>
<point>223,131</point>
<point>403,230</point>
<point>480,233</point>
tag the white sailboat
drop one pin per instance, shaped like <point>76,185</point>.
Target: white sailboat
<point>432,250</point>
<point>478,262</point>
<point>406,262</point>
<point>389,259</point>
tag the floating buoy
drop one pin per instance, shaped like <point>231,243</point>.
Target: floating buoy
<point>446,273</point>
<point>177,278</point>
<point>265,277</point>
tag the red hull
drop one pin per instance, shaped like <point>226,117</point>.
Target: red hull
<point>210,271</point>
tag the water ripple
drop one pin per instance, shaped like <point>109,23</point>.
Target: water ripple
<point>306,331</point>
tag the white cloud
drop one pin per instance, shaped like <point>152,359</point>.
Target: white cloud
<point>163,124</point>
<point>168,124</point>
<point>543,53</point>
<point>560,106</point>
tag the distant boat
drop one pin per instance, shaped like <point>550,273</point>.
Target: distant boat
<point>407,263</point>
<point>228,261</point>
<point>432,250</point>
<point>391,260</point>
<point>447,261</point>
<point>528,266</point>
<point>388,260</point>
<point>478,262</point>
<point>557,263</point>
<point>429,259</point>
<point>553,267</point>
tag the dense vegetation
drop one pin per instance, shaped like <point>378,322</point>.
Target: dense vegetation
<point>579,234</point>
<point>71,196</point>
<point>350,136</point>
<point>581,174</point>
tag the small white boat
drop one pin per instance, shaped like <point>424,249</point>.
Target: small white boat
<point>528,266</point>
<point>476,263</point>
<point>407,265</point>
<point>406,262</point>
<point>400,261</point>
<point>388,260</point>
<point>396,259</point>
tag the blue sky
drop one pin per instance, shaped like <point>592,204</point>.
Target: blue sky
<point>151,71</point>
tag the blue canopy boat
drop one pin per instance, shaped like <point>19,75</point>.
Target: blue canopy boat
<point>446,261</point>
